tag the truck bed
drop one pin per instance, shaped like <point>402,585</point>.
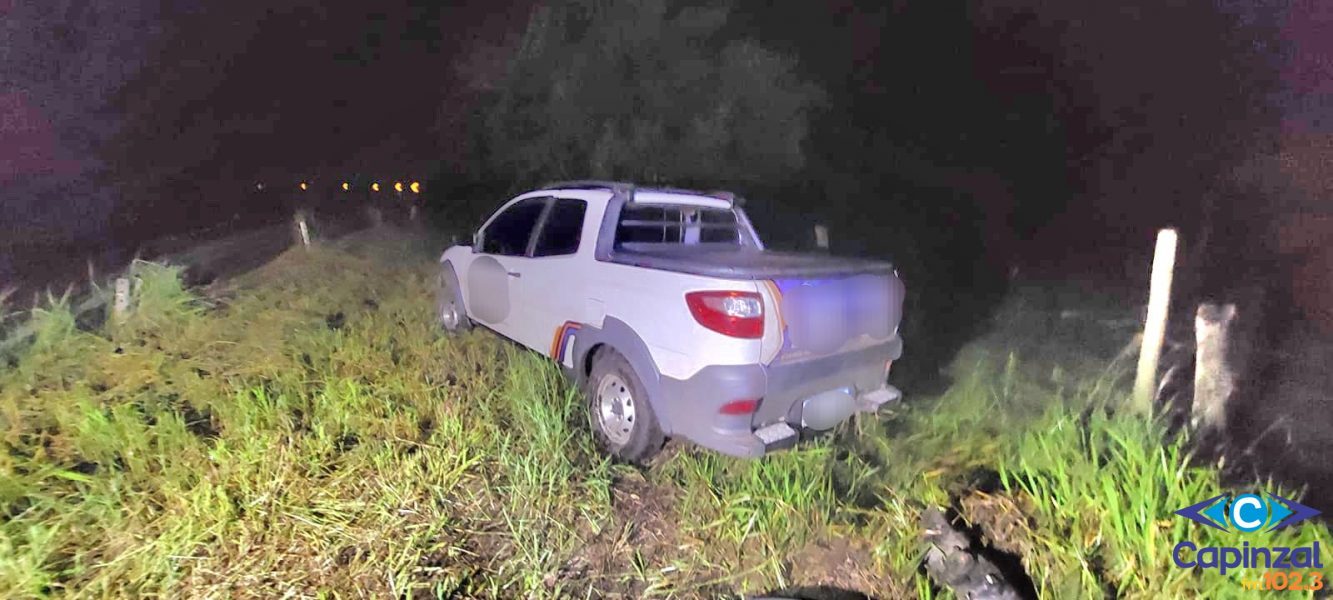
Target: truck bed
<point>728,261</point>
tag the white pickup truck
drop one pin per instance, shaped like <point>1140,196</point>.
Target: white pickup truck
<point>664,306</point>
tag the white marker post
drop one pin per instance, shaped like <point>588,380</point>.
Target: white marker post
<point>1154,328</point>
<point>303,229</point>
<point>120,304</point>
<point>821,237</point>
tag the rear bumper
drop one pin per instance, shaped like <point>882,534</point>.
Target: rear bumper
<point>823,390</point>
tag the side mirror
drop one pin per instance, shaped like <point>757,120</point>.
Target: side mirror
<point>476,242</point>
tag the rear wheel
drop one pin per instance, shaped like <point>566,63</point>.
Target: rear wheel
<point>449,308</point>
<point>622,419</point>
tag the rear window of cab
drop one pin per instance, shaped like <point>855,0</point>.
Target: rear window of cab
<point>676,224</point>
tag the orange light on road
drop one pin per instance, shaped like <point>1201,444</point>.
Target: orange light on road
<point>346,186</point>
<point>304,187</point>
<point>375,187</point>
<point>416,187</point>
<point>398,187</point>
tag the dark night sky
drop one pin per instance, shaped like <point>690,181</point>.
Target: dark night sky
<point>195,99</point>
<point>204,98</point>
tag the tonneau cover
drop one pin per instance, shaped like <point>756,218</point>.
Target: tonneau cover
<point>727,261</point>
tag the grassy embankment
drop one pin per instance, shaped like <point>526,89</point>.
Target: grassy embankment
<point>307,432</point>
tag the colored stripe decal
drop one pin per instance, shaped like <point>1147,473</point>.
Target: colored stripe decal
<point>777,305</point>
<point>562,334</point>
<point>775,294</point>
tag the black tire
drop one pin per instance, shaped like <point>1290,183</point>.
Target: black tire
<point>449,310</point>
<point>635,440</point>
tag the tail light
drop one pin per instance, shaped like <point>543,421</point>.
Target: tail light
<point>735,314</point>
<point>739,407</point>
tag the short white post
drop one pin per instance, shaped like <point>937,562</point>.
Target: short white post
<point>120,305</point>
<point>305,230</point>
<point>821,236</point>
<point>1154,328</point>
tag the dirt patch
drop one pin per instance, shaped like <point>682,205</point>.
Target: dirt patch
<point>645,507</point>
<point>199,422</point>
<point>1002,520</point>
<point>641,534</point>
<point>842,568</point>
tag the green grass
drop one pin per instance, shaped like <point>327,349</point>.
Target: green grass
<point>307,432</point>
<point>1102,501</point>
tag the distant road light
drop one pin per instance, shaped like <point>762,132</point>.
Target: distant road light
<point>375,187</point>
<point>416,187</point>
<point>346,186</point>
<point>259,186</point>
<point>398,186</point>
<point>304,187</point>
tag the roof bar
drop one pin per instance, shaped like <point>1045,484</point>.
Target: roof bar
<point>587,183</point>
<point>623,186</point>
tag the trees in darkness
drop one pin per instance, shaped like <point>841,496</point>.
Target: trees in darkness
<point>958,138</point>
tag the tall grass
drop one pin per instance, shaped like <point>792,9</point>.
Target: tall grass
<point>1103,489</point>
<point>300,434</point>
<point>307,432</point>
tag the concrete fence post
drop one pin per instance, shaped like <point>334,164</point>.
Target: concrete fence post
<point>1154,328</point>
<point>302,229</point>
<point>821,237</point>
<point>120,304</point>
<point>1214,375</point>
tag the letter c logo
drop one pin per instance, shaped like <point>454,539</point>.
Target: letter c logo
<point>1248,512</point>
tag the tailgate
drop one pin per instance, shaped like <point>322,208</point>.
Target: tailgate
<point>824,316</point>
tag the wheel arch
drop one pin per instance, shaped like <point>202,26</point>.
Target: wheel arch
<point>450,276</point>
<point>616,335</point>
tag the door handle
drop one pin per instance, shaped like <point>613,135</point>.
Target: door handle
<point>513,273</point>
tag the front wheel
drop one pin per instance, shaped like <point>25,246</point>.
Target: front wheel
<point>622,419</point>
<point>449,308</point>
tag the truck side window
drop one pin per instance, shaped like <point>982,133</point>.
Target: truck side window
<point>509,232</point>
<point>563,229</point>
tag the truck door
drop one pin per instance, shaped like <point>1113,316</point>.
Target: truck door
<point>495,283</point>
<point>558,274</point>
